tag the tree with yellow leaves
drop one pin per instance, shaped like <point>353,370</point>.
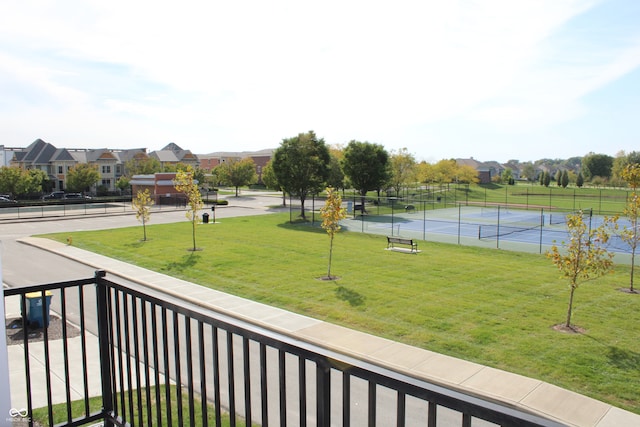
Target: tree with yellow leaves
<point>187,184</point>
<point>584,257</point>
<point>630,235</point>
<point>332,212</point>
<point>142,205</point>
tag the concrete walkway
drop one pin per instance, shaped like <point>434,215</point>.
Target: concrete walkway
<point>529,394</point>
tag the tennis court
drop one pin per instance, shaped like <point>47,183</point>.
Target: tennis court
<point>506,228</point>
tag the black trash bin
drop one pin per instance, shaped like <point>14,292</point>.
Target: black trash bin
<point>205,218</point>
<point>34,309</point>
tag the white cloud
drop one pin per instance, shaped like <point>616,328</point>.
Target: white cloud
<point>255,72</point>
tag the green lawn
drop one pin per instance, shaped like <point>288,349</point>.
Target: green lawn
<point>488,306</point>
<point>59,411</point>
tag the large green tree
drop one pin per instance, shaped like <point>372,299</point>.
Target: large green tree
<point>301,166</point>
<point>237,173</point>
<point>82,177</point>
<point>11,180</point>
<point>336,175</point>
<point>622,160</point>
<point>597,165</point>
<point>270,181</point>
<point>142,166</point>
<point>528,171</point>
<point>367,167</point>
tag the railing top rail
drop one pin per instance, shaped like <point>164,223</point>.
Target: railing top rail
<point>48,287</point>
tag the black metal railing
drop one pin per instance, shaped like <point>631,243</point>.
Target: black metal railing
<point>165,362</point>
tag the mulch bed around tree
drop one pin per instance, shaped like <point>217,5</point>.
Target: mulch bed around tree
<point>573,329</point>
<point>15,333</point>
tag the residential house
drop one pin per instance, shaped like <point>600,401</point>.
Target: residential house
<point>56,162</point>
<point>260,158</point>
<point>486,170</point>
<point>161,188</point>
<point>172,155</point>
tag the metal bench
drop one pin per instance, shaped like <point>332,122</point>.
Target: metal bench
<point>392,241</point>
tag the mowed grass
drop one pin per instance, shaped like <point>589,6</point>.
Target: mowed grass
<point>488,306</point>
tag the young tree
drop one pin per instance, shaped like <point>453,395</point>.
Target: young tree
<point>579,180</point>
<point>331,214</point>
<point>142,205</point>
<point>559,178</point>
<point>185,183</point>
<point>237,173</point>
<point>584,256</point>
<point>630,235</point>
<point>301,165</point>
<point>82,176</point>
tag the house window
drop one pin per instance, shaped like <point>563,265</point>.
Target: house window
<point>60,169</point>
<point>106,169</point>
<point>106,182</point>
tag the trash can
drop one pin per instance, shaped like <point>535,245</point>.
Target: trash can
<point>34,309</point>
<point>205,218</point>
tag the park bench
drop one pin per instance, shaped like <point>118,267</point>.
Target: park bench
<point>359,207</point>
<point>410,208</point>
<point>392,241</point>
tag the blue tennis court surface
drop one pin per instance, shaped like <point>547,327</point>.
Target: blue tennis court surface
<point>538,229</point>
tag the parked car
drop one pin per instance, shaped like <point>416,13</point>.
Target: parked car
<point>5,199</point>
<point>75,196</point>
<point>56,195</point>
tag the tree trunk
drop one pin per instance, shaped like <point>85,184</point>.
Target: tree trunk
<point>193,223</point>
<point>633,262</point>
<point>568,324</point>
<point>330,255</point>
<point>144,230</point>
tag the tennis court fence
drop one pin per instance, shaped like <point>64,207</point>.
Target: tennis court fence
<point>503,227</point>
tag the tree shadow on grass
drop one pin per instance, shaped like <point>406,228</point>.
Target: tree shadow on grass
<point>623,359</point>
<point>185,262</point>
<point>352,297</point>
<point>137,244</point>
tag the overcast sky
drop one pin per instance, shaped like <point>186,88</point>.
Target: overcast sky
<point>489,79</point>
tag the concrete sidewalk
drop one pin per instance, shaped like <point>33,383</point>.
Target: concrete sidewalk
<point>528,394</point>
